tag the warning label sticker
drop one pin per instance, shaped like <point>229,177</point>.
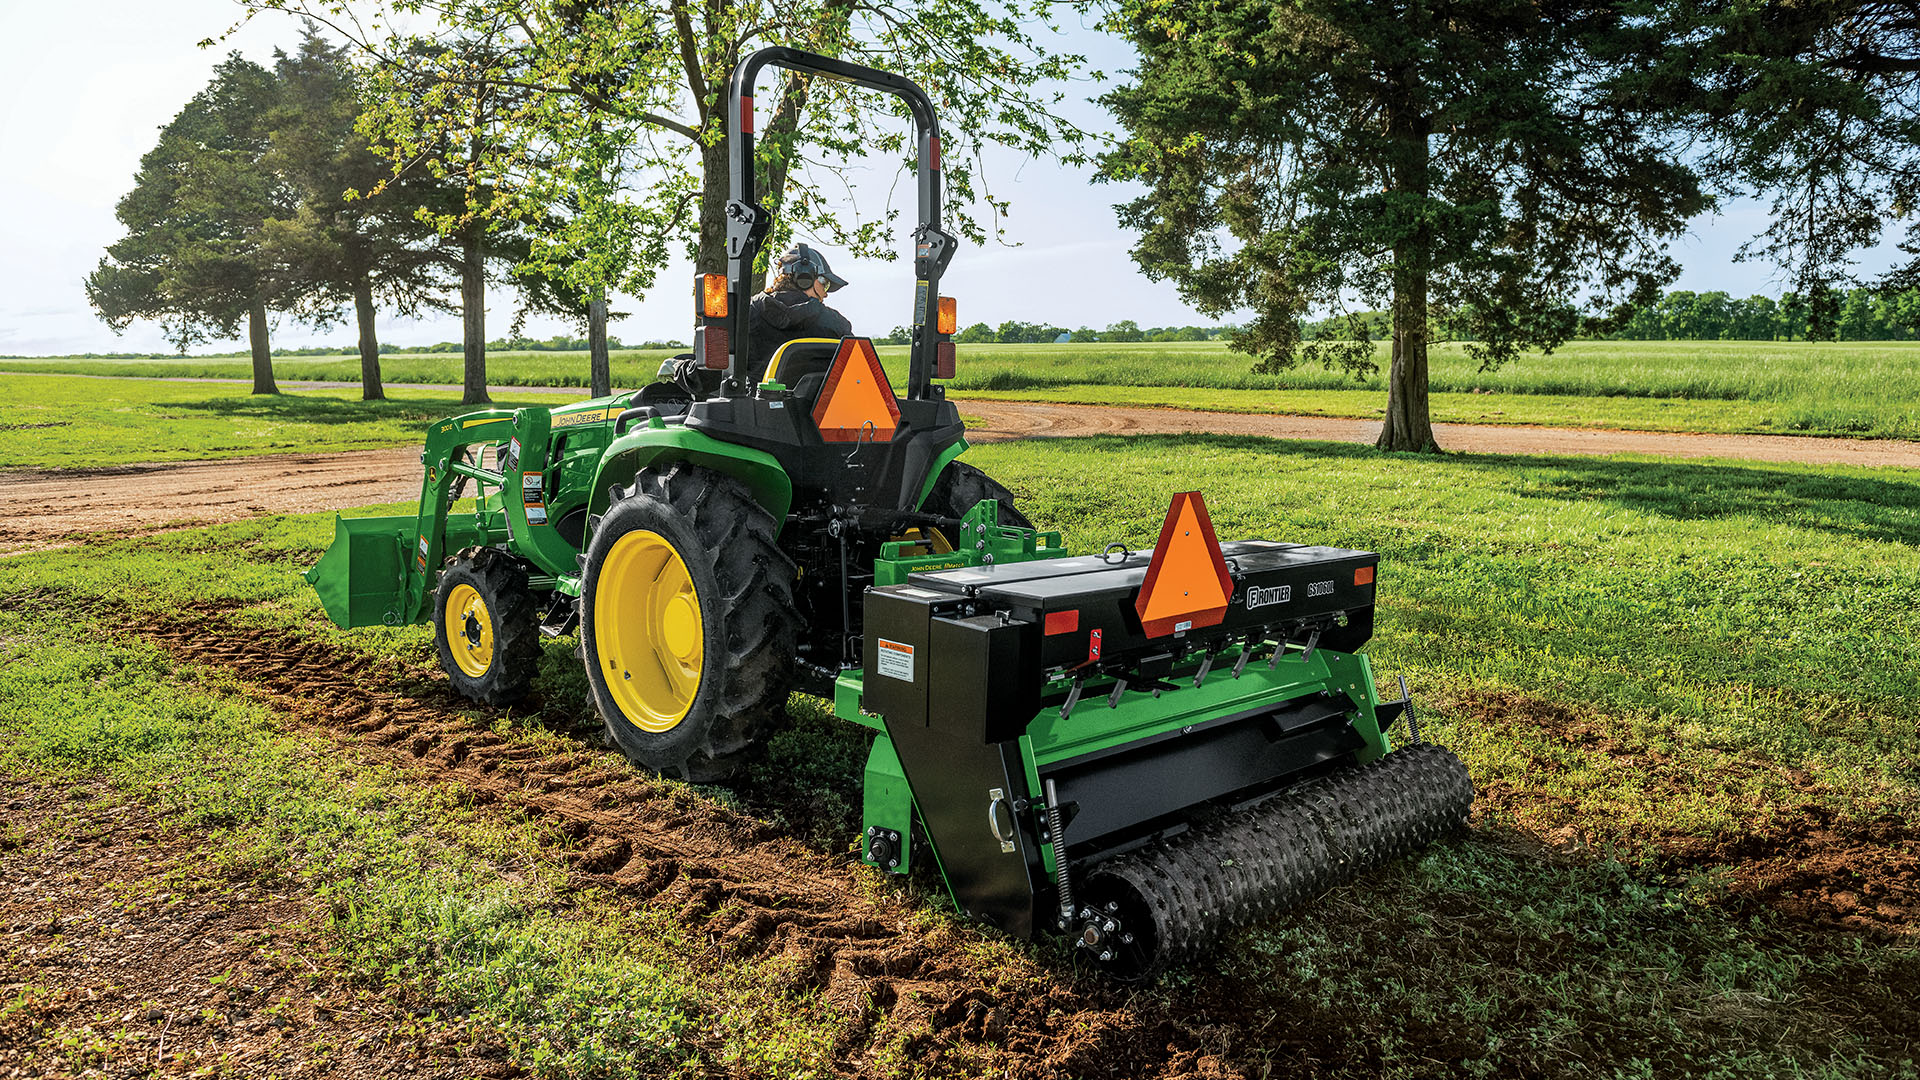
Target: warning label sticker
<point>530,496</point>
<point>896,660</point>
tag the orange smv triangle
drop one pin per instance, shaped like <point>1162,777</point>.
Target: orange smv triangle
<point>856,403</point>
<point>1187,582</point>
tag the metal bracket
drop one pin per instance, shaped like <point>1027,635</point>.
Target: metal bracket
<point>933,249</point>
<point>747,225</point>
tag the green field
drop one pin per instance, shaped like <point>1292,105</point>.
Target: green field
<point>64,423</point>
<point>1847,388</point>
<point>1684,690</point>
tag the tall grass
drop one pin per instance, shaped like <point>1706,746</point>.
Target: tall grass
<point>1838,388</point>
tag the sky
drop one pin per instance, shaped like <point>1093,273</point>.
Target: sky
<point>85,88</point>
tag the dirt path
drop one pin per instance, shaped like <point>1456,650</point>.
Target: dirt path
<point>46,509</point>
<point>1023,419</point>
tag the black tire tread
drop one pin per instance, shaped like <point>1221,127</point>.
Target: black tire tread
<point>761,625</point>
<point>502,582</point>
<point>960,486</point>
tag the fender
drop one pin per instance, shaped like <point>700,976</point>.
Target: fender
<point>658,443</point>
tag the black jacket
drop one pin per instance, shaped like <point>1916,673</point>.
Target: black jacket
<point>775,318</point>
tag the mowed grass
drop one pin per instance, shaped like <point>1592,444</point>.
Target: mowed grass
<point>78,423</point>
<point>1634,657</point>
<point>1821,388</point>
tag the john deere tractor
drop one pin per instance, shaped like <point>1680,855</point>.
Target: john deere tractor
<point>1138,749</point>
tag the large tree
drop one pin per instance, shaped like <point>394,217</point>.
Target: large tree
<point>473,181</point>
<point>1476,162</point>
<point>1815,105</point>
<point>192,256</point>
<point>619,125</point>
<point>341,247</point>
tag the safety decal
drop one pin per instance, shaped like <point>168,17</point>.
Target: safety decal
<point>896,660</point>
<point>424,548</point>
<point>531,498</point>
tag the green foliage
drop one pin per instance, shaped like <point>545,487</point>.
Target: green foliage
<point>616,117</point>
<point>1862,315</point>
<point>1468,158</point>
<point>192,257</point>
<point>335,249</point>
<point>1815,106</point>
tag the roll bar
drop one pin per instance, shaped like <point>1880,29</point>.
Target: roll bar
<point>748,221</point>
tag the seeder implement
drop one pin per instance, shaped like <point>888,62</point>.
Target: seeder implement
<point>1140,750</point>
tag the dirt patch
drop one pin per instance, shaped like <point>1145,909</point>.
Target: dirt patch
<point>118,959</point>
<point>52,508</point>
<point>49,509</point>
<point>1800,859</point>
<point>830,929</point>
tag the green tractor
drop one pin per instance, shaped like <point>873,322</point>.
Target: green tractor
<point>1139,750</point>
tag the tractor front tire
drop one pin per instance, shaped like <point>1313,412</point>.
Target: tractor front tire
<point>485,627</point>
<point>687,624</point>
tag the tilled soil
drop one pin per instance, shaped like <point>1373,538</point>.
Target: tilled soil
<point>747,889</point>
<point>1804,860</point>
<point>47,509</point>
<point>122,960</point>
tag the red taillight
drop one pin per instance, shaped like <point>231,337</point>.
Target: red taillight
<point>1363,576</point>
<point>746,114</point>
<point>1063,622</point>
<point>713,353</point>
<point>943,360</point>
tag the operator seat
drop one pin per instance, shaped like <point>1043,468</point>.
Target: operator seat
<point>802,365</point>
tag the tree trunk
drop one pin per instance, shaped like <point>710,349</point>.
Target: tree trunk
<point>262,354</point>
<point>711,258</point>
<point>598,363</point>
<point>473,311</point>
<point>370,387</point>
<point>1409,425</point>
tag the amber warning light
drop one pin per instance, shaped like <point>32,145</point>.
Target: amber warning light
<point>949,316</point>
<point>713,295</point>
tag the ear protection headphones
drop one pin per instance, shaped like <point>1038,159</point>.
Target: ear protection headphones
<point>805,280</point>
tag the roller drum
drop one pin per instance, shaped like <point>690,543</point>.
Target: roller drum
<point>1176,898</point>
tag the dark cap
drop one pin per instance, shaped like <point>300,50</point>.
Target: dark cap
<point>804,265</point>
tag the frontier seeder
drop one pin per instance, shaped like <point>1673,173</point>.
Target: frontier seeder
<point>1139,750</point>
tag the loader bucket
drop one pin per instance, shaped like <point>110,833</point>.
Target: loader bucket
<point>362,577</point>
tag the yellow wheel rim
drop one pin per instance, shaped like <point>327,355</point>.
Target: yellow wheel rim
<point>469,631</point>
<point>648,631</point>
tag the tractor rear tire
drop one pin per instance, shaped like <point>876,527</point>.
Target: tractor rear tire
<point>687,624</point>
<point>486,627</point>
<point>960,486</point>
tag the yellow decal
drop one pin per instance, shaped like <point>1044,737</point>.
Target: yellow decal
<point>477,423</point>
<point>591,416</point>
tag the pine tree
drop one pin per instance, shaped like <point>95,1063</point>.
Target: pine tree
<point>192,256</point>
<point>340,246</point>
<point>1475,162</point>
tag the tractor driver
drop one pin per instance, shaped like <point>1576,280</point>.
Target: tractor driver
<point>794,306</point>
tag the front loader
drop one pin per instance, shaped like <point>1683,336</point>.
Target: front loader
<point>1139,750</point>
